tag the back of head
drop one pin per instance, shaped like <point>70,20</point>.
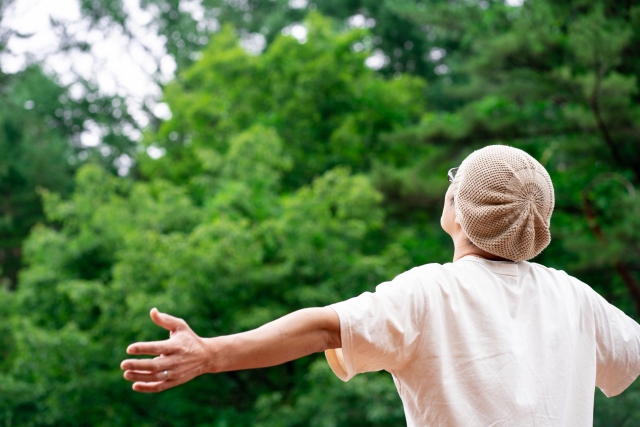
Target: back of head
<point>504,200</point>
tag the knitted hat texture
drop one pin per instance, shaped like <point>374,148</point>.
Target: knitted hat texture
<point>504,200</point>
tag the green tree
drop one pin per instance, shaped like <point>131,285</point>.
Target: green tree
<point>555,83</point>
<point>29,139</point>
<point>41,129</point>
<point>40,142</point>
<point>235,225</point>
<point>300,177</point>
<point>560,80</point>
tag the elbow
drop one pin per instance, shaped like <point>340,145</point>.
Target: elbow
<point>321,325</point>
<point>331,329</point>
<point>331,339</point>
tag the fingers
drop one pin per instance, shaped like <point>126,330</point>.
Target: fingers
<point>148,374</point>
<point>153,382</point>
<point>167,321</point>
<point>144,376</point>
<point>156,364</point>
<point>154,387</point>
<point>153,347</point>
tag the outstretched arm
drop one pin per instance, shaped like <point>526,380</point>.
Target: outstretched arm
<point>185,355</point>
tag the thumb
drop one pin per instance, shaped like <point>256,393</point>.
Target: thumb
<point>166,321</point>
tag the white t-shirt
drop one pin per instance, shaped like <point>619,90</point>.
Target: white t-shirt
<point>484,343</point>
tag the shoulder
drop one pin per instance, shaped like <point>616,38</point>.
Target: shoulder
<point>423,272</point>
<point>550,270</point>
<point>411,277</point>
<point>435,269</point>
<point>445,273</point>
<point>562,282</point>
<point>559,275</point>
<point>418,280</point>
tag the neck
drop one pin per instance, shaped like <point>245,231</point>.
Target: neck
<point>464,247</point>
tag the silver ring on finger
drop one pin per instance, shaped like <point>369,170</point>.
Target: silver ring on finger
<point>166,375</point>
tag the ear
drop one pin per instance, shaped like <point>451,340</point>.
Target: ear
<point>456,221</point>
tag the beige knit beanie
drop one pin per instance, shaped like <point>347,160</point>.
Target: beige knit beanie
<point>504,200</point>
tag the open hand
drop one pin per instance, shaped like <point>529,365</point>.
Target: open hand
<point>179,359</point>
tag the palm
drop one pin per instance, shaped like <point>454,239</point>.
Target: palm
<point>178,359</point>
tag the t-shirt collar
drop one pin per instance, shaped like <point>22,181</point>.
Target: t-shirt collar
<point>508,268</point>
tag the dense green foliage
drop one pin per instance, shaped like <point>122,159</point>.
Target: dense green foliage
<point>300,177</point>
<point>40,127</point>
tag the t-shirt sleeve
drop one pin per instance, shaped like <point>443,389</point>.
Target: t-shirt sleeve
<point>380,330</point>
<point>618,348</point>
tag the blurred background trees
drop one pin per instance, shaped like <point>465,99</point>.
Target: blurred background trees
<point>304,162</point>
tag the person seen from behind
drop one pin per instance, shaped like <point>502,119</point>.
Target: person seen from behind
<point>489,339</point>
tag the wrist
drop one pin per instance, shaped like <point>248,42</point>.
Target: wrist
<point>211,363</point>
<point>216,354</point>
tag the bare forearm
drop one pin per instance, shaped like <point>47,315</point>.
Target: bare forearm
<point>185,355</point>
<point>293,336</point>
